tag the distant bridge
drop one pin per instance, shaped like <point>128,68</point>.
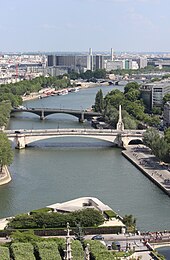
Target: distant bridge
<point>22,138</point>
<point>44,112</point>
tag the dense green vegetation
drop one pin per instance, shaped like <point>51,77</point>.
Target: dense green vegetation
<point>89,75</point>
<point>47,250</point>
<point>26,245</point>
<point>20,251</point>
<point>51,248</point>
<point>5,109</point>
<point>130,223</point>
<point>110,214</point>
<point>6,154</point>
<point>87,218</point>
<point>4,253</point>
<point>99,251</point>
<point>42,210</point>
<point>133,109</point>
<point>13,92</point>
<point>160,145</point>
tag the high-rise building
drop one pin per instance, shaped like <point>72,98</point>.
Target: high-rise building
<point>99,64</point>
<point>51,60</point>
<point>112,54</point>
<point>90,60</point>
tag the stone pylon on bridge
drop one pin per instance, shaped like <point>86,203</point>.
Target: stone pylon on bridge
<point>120,124</point>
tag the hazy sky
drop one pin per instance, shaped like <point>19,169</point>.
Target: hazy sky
<point>76,25</point>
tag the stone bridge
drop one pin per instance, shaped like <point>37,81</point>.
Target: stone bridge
<point>22,138</point>
<point>44,112</point>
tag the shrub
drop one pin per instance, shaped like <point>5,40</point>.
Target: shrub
<point>77,250</point>
<point>87,218</point>
<point>4,253</point>
<point>110,213</point>
<point>99,251</point>
<point>20,251</point>
<point>42,210</point>
<point>47,250</point>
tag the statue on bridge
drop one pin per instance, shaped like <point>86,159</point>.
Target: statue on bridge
<point>120,124</point>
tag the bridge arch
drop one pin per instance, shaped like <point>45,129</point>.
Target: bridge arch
<point>21,141</point>
<point>130,140</point>
<point>44,112</point>
<point>135,141</point>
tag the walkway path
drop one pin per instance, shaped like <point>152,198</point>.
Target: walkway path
<point>141,156</point>
<point>5,176</point>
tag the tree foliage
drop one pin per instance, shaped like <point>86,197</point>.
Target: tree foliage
<point>160,146</point>
<point>99,102</point>
<point>166,98</point>
<point>86,217</point>
<point>6,154</point>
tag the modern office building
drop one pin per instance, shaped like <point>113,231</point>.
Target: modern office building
<point>115,65</point>
<point>99,62</point>
<point>153,93</point>
<point>112,54</point>
<point>166,114</point>
<point>79,63</point>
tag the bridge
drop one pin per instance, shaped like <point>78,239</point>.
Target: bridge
<point>82,115</point>
<point>22,138</point>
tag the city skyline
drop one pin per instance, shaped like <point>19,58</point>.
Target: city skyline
<point>76,25</point>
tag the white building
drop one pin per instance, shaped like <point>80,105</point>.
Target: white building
<point>115,65</point>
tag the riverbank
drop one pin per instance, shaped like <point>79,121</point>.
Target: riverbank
<point>142,158</point>
<point>5,176</point>
<point>84,85</point>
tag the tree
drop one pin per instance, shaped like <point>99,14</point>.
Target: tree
<point>132,95</point>
<point>167,135</point>
<point>129,221</point>
<point>99,102</point>
<point>166,98</point>
<point>115,98</point>
<point>149,136</point>
<point>128,121</point>
<point>6,154</point>
<point>99,74</point>
<point>25,237</point>
<point>130,86</point>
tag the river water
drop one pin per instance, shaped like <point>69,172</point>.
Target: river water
<point>61,169</point>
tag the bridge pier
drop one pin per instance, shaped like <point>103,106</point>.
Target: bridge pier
<point>81,118</point>
<point>42,115</point>
<point>20,142</point>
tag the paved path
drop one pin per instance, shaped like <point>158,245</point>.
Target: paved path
<point>141,156</point>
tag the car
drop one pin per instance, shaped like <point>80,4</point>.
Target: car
<point>17,132</point>
<point>98,237</point>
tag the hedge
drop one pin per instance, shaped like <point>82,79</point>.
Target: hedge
<point>77,250</point>
<point>42,210</point>
<point>98,251</point>
<point>20,251</point>
<point>4,253</point>
<point>110,213</point>
<point>47,250</point>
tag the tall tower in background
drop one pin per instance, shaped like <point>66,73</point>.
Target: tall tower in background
<point>112,54</point>
<point>90,60</point>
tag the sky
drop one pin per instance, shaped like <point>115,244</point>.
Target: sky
<point>77,25</point>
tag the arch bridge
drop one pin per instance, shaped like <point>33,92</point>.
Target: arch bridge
<point>22,138</point>
<point>82,115</point>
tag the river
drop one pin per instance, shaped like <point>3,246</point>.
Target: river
<point>61,169</point>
